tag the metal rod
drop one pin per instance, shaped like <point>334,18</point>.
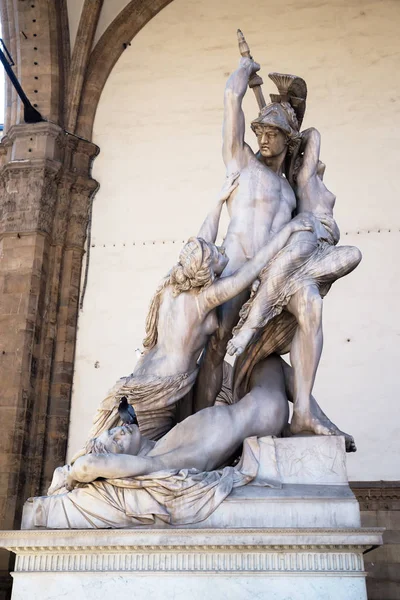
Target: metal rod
<point>10,59</point>
<point>255,81</point>
<point>31,115</point>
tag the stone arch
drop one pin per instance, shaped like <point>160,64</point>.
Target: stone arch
<point>107,51</point>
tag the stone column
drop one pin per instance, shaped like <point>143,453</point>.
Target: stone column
<point>58,410</point>
<point>45,196</point>
<point>41,168</point>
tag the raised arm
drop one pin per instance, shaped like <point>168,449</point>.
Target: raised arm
<point>310,146</point>
<point>228,287</point>
<point>209,229</point>
<point>234,126</point>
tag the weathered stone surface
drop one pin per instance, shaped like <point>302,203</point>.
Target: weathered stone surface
<point>162,586</point>
<point>40,229</point>
<point>212,563</point>
<point>381,504</point>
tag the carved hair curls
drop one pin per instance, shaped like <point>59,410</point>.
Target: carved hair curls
<point>192,272</point>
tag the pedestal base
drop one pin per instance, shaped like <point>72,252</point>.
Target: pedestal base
<point>279,564</point>
<point>194,587</point>
<point>302,540</point>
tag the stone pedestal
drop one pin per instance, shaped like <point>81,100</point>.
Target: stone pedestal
<point>302,540</point>
<point>278,564</point>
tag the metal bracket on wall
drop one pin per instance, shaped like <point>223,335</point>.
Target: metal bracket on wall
<point>31,115</point>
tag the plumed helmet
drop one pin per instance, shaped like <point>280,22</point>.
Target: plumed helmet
<point>287,108</point>
<point>280,115</point>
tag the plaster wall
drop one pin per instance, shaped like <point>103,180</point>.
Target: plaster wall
<point>74,8</point>
<point>158,125</point>
<point>109,10</point>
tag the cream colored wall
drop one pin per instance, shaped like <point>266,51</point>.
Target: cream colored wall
<point>74,8</point>
<point>109,10</point>
<point>159,129</point>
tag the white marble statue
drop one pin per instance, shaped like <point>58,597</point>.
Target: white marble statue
<point>284,176</point>
<point>297,279</point>
<point>181,318</point>
<point>266,284</point>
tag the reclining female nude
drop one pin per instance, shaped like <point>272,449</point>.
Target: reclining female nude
<point>203,441</point>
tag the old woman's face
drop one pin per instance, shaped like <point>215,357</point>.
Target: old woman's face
<point>121,440</point>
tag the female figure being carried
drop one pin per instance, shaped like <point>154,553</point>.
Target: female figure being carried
<point>181,318</point>
<point>296,280</point>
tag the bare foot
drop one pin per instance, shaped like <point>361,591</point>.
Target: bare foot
<point>320,426</point>
<point>308,423</point>
<point>239,341</point>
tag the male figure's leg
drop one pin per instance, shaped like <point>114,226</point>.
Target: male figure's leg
<point>306,306</point>
<point>317,412</point>
<point>305,354</point>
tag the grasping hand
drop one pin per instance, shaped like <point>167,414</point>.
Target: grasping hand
<point>250,65</point>
<point>301,223</point>
<point>231,183</point>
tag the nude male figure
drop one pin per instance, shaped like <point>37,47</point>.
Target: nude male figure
<point>259,207</point>
<point>296,281</point>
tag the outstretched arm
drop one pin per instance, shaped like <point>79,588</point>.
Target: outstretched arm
<point>228,287</point>
<point>209,229</point>
<point>234,126</point>
<point>110,466</point>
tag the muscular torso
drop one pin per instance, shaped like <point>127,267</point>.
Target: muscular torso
<point>261,205</point>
